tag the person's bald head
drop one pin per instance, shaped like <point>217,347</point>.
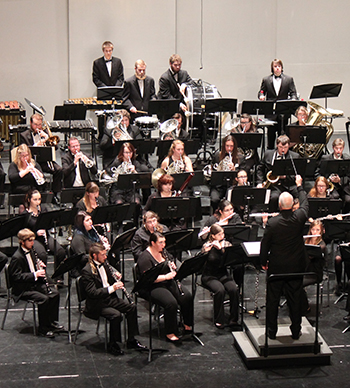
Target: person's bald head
<point>285,201</point>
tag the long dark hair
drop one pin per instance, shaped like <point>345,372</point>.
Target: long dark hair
<point>80,228</point>
<point>235,149</point>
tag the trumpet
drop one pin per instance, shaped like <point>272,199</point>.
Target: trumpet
<point>85,159</point>
<point>38,176</point>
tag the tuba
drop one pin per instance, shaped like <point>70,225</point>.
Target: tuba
<point>322,117</point>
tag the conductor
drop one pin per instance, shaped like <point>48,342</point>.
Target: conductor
<point>282,252</point>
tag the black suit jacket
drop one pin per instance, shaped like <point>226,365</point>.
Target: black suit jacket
<point>287,89</point>
<point>20,276</point>
<point>282,245</point>
<point>95,292</point>
<point>100,75</point>
<point>132,96</point>
<point>69,173</point>
<point>168,86</point>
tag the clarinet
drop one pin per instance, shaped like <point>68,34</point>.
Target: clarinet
<point>166,257</point>
<point>39,267</point>
<point>117,276</point>
<point>103,240</point>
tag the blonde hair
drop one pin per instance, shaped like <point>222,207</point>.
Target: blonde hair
<point>25,234</point>
<point>21,149</point>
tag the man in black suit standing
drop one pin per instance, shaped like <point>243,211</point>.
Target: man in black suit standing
<point>29,282</point>
<point>138,90</point>
<point>37,136</point>
<point>284,183</point>
<point>100,285</point>
<point>283,252</point>
<point>78,168</point>
<point>107,70</point>
<point>277,86</point>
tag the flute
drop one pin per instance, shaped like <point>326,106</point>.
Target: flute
<point>207,228</point>
<point>330,217</point>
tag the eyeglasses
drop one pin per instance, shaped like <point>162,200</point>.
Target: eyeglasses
<point>30,239</point>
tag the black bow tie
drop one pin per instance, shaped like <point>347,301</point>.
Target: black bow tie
<point>99,265</point>
<point>108,60</point>
<point>277,76</point>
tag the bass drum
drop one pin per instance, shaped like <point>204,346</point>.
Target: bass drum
<point>196,95</point>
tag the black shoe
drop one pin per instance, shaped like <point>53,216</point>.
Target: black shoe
<point>55,326</point>
<point>347,317</point>
<point>296,336</point>
<point>272,336</point>
<point>46,333</point>
<point>114,349</point>
<point>135,344</point>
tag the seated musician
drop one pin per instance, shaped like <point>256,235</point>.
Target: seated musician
<point>77,167</point>
<point>150,224</point>
<point>125,163</point>
<point>284,183</point>
<point>302,115</point>
<point>246,124</point>
<point>314,264</point>
<point>44,242</point>
<point>111,136</point>
<point>342,184</point>
<point>92,199</point>
<point>165,187</point>
<point>84,236</point>
<point>101,283</point>
<point>223,215</point>
<point>229,159</point>
<point>166,292</point>
<point>24,173</point>
<point>177,161</point>
<point>240,180</point>
<point>29,282</point>
<point>322,189</point>
<point>37,136</point>
<point>216,278</point>
<point>179,132</point>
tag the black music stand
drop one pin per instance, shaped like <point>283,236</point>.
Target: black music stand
<point>42,154</point>
<point>106,93</point>
<point>285,108</point>
<point>141,180</point>
<point>345,255</point>
<point>189,267</point>
<point>178,240</point>
<point>319,207</point>
<point>142,147</point>
<point>286,167</point>
<point>12,226</point>
<point>164,109</point>
<point>67,265</point>
<point>41,110</point>
<point>248,140</point>
<point>339,167</point>
<point>144,286</point>
<point>222,178</point>
<point>325,91</point>
<point>72,195</point>
<point>247,196</point>
<point>120,243</point>
<point>306,134</point>
<point>180,178</point>
<point>191,147</point>
<point>172,208</point>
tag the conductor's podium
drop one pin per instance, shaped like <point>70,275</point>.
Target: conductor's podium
<point>283,351</point>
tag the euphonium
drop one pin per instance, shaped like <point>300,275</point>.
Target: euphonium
<point>120,133</point>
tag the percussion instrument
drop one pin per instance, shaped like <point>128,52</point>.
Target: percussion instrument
<point>11,113</point>
<point>147,123</point>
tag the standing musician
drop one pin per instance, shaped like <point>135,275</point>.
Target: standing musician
<point>125,163</point>
<point>107,70</point>
<point>173,83</point>
<point>43,242</point>
<point>165,291</point>
<point>341,184</point>
<point>140,241</point>
<point>215,277</point>
<point>283,252</point>
<point>29,282</point>
<point>177,161</point>
<point>77,167</point>
<point>277,86</point>
<point>24,173</point>
<point>37,136</point>
<point>322,189</point>
<point>100,283</point>
<point>138,90</point>
<point>284,183</point>
<point>314,264</point>
<point>229,159</point>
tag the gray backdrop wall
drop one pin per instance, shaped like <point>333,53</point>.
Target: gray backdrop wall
<point>47,47</point>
